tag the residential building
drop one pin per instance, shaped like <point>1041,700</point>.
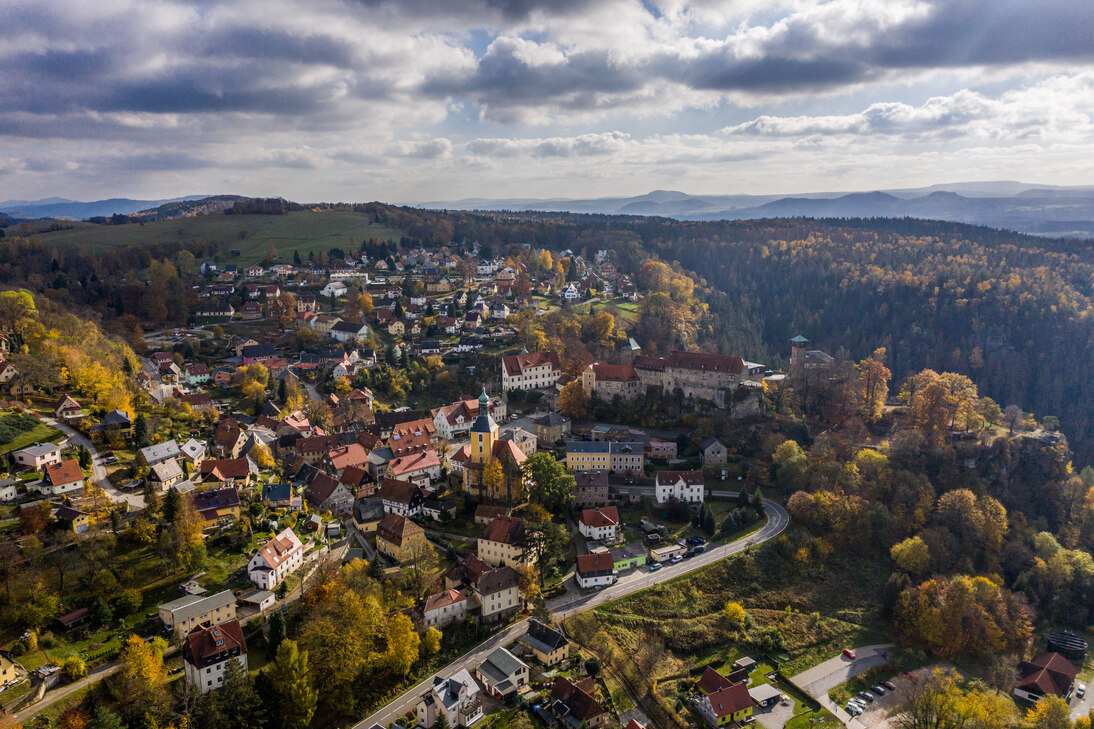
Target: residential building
<point>226,471</point>
<point>628,557</point>
<point>485,513</point>
<point>600,524</point>
<point>186,613</point>
<point>729,704</point>
<point>454,421</point>
<point>67,409</point>
<point>193,452</point>
<point>550,428</point>
<point>456,698</point>
<point>608,381</point>
<point>590,489</point>
<point>401,497</point>
<point>498,594</point>
<point>349,331</point>
<point>74,519</point>
<point>38,456</point>
<point>530,371</point>
<point>279,558</point>
<point>400,538</point>
<point>340,458</point>
<point>62,478</point>
<point>574,704</point>
<point>368,513</point>
<point>208,650</point>
<point>613,456</point>
<point>165,474</point>
<point>280,496</point>
<point>679,485</point>
<point>504,542</point>
<point>218,507</point>
<point>1049,674</point>
<point>443,608</point>
<point>548,645</point>
<point>326,494</point>
<point>595,570</point>
<point>502,673</point>
<point>712,452</point>
<point>157,453</point>
<point>420,468</point>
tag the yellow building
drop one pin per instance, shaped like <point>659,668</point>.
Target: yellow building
<point>487,448</point>
<point>400,538</point>
<point>396,328</point>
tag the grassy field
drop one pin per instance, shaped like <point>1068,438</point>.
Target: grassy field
<point>40,433</point>
<point>302,231</point>
<point>618,307</point>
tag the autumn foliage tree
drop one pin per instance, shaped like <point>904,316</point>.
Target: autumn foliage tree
<point>572,401</point>
<point>874,379</point>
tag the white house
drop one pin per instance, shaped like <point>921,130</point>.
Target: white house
<point>60,478</point>
<point>601,524</point>
<point>530,371</point>
<point>679,485</point>
<point>595,570</point>
<point>570,293</point>
<point>349,331</point>
<point>281,556</point>
<point>444,608</point>
<point>456,697</point>
<point>38,456</point>
<point>208,651</point>
<point>502,673</point>
<point>335,289</point>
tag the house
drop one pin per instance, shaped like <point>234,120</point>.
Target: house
<point>549,646</point>
<point>401,497</point>
<point>396,328</point>
<point>20,389</point>
<point>628,557</point>
<point>599,523</point>
<point>279,558</point>
<point>62,478</point>
<point>437,509</point>
<point>116,422</point>
<point>574,704</point>
<point>570,293</point>
<point>595,570</point>
<point>218,507</point>
<point>443,608</point>
<point>38,456</point>
<point>615,456</point>
<point>530,371</point>
<point>608,381</point>
<point>712,452</point>
<point>368,513</point>
<point>280,496</point>
<point>334,289</point>
<point>456,698</point>
<point>725,705</point>
<point>196,374</point>
<point>340,458</point>
<point>226,471</point>
<point>662,449</point>
<point>349,331</point>
<point>1049,674</point>
<point>157,453</point>
<point>255,353</point>
<point>186,613</point>
<point>326,494</point>
<point>74,519</point>
<point>590,489</point>
<point>207,652</point>
<point>198,401</point>
<point>484,513</point>
<point>498,593</point>
<point>8,491</point>
<point>400,538</point>
<point>67,409</point>
<point>7,371</point>
<point>712,681</point>
<point>193,452</point>
<point>504,542</point>
<point>550,428</point>
<point>679,485</point>
<point>228,441</point>
<point>502,674</point>
<point>165,474</point>
<point>454,421</point>
<point>420,468</point>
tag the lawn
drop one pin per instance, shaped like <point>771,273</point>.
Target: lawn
<point>25,430</point>
<point>303,231</point>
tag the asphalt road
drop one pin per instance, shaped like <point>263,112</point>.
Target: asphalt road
<point>98,471</point>
<point>822,678</point>
<point>566,605</point>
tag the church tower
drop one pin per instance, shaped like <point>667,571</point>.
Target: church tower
<point>484,432</point>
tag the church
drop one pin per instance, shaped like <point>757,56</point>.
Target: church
<point>486,448</point>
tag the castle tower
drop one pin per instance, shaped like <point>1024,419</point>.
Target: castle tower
<point>629,352</point>
<point>797,356</point>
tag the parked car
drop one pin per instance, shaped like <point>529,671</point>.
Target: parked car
<point>848,653</point>
<point>655,566</point>
<point>866,696</point>
<point>853,709</point>
<point>888,684</point>
<point>699,549</point>
<point>878,690</point>
<point>1080,690</point>
<point>676,559</point>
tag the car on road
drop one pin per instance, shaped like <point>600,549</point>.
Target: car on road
<point>848,653</point>
<point>866,696</point>
<point>1080,690</point>
<point>655,566</point>
<point>877,690</point>
<point>888,684</point>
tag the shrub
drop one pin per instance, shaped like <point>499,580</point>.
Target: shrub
<point>73,668</point>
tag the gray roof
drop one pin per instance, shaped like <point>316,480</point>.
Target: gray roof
<point>184,487</point>
<point>160,451</point>
<point>193,448</point>
<point>191,606</point>
<point>447,690</point>
<point>550,420</point>
<point>256,596</point>
<point>763,692</point>
<point>628,551</point>
<point>39,449</point>
<point>500,665</point>
<point>543,637</point>
<point>166,470</point>
<point>708,442</point>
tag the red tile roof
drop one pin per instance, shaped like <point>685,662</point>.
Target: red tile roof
<point>394,528</point>
<point>603,517</point>
<point>504,529</point>
<point>212,645</point>
<point>599,562</point>
<point>730,700</point>
<point>712,681</point>
<point>514,364</point>
<point>65,472</point>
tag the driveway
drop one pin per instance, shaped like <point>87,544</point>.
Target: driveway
<point>99,478</point>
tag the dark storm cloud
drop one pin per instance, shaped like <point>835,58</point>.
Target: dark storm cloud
<point>480,10</point>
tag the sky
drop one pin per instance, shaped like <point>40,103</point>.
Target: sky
<point>415,100</point>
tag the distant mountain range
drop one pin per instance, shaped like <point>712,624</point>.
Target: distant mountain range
<point>59,207</point>
<point>1027,208</point>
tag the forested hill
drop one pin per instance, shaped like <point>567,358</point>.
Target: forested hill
<point>1011,311</point>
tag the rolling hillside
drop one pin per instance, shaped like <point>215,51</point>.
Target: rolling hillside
<point>251,235</point>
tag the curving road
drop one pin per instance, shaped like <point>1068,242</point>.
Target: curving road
<point>98,470</point>
<point>567,605</point>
